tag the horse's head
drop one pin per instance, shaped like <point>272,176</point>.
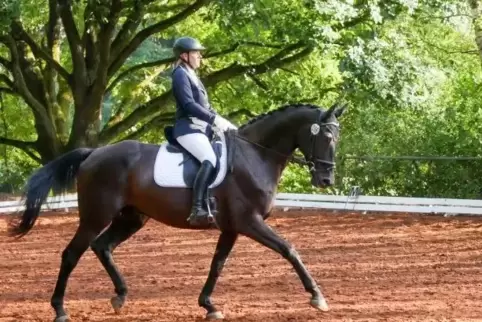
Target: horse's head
<point>317,141</point>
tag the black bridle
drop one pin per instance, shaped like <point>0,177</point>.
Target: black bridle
<point>309,160</point>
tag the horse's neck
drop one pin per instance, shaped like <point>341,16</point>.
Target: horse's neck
<point>277,132</point>
<point>265,148</point>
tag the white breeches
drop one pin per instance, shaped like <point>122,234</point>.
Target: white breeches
<point>199,146</point>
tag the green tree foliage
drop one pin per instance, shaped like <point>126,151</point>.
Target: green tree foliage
<point>421,87</point>
<point>95,71</point>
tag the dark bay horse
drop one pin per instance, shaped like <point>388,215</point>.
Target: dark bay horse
<point>117,195</point>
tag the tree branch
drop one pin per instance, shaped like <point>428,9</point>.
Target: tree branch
<point>89,41</point>
<point>33,78</point>
<point>22,88</point>
<point>450,52</point>
<point>6,64</point>
<point>290,59</point>
<point>52,23</point>
<point>19,81</point>
<point>87,116</point>
<point>352,22</point>
<point>105,36</point>
<point>8,90</point>
<point>258,82</point>
<point>145,33</point>
<point>4,78</point>
<point>276,61</point>
<point>222,52</point>
<point>261,44</point>
<point>167,8</point>
<point>165,61</point>
<point>429,17</point>
<point>136,68</point>
<point>37,51</point>
<point>127,30</point>
<point>241,112</point>
<point>476,9</point>
<point>157,123</point>
<point>159,62</point>
<point>22,145</point>
<point>140,113</point>
<point>75,44</point>
<point>53,48</point>
<point>235,69</point>
<point>290,71</point>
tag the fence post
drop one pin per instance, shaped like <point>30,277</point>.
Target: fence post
<point>353,195</point>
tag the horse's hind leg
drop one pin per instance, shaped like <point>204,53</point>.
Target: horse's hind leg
<point>78,245</point>
<point>259,231</point>
<point>123,226</point>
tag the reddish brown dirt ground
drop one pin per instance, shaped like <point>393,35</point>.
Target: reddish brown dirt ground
<point>372,268</point>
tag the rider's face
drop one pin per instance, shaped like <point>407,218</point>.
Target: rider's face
<point>194,58</point>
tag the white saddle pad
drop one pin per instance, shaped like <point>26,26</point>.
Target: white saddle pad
<point>178,170</point>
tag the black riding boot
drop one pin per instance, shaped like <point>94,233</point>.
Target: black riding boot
<point>199,215</point>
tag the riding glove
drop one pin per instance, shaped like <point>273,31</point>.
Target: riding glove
<point>223,124</point>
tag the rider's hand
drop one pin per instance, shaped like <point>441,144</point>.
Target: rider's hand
<point>223,124</point>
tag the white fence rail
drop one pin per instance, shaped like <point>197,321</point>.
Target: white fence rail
<point>319,201</point>
<point>382,204</point>
<point>59,202</point>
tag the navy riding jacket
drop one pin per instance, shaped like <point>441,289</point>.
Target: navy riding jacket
<point>194,114</point>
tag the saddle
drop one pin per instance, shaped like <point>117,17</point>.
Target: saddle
<point>175,167</point>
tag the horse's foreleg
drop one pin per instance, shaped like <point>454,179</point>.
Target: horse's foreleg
<point>223,248</point>
<point>123,226</point>
<point>259,231</point>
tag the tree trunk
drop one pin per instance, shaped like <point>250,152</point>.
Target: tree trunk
<point>476,7</point>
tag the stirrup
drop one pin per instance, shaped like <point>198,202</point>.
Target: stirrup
<point>196,219</point>
<point>210,215</point>
<point>212,207</point>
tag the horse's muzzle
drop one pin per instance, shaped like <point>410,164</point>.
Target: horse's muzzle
<point>322,180</point>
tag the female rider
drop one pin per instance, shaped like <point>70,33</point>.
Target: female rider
<point>194,119</point>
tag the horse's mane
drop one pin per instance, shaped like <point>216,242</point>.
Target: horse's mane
<point>278,110</point>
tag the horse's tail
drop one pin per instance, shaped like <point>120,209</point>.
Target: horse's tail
<point>58,175</point>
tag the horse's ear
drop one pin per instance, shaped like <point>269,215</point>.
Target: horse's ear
<point>332,108</point>
<point>336,109</point>
<point>339,110</point>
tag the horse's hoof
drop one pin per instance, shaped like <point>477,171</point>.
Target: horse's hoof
<point>63,318</point>
<point>214,316</point>
<point>320,304</point>
<point>117,303</point>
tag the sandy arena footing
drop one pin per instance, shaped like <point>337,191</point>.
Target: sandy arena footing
<point>382,267</point>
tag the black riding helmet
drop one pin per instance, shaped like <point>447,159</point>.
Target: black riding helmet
<point>186,44</point>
